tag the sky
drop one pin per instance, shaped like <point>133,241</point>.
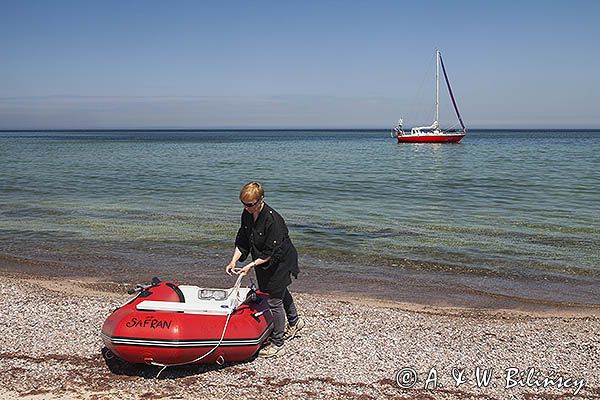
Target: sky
<point>296,64</point>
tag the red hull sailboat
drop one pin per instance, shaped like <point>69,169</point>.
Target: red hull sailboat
<point>433,133</point>
<point>167,325</point>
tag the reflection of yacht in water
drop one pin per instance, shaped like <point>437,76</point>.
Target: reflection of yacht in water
<point>433,133</point>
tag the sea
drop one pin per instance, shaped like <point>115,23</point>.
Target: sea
<point>519,204</point>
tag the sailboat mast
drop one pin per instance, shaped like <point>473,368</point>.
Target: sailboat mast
<point>452,94</point>
<point>437,85</point>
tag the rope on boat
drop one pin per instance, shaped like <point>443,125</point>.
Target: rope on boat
<point>236,289</point>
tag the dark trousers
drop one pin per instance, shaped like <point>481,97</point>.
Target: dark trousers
<point>282,307</point>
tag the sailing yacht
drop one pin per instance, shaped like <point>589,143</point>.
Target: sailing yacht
<point>433,133</point>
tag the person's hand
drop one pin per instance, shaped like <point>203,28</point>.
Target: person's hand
<point>230,268</point>
<point>244,271</point>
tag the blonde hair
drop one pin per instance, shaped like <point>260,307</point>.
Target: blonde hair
<point>252,191</point>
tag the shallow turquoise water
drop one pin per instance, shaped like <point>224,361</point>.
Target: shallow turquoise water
<point>510,202</point>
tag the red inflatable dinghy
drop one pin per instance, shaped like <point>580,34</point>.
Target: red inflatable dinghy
<point>168,324</point>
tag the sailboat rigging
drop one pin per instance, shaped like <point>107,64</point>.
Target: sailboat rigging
<point>433,133</point>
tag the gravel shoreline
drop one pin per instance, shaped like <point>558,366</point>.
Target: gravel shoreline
<point>50,348</point>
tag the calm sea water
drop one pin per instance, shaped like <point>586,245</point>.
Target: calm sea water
<point>518,203</point>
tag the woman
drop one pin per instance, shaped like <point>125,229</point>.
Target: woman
<point>264,235</point>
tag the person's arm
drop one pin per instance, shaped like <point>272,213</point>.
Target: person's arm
<point>275,232</point>
<point>237,254</point>
<point>242,248</point>
<point>248,267</point>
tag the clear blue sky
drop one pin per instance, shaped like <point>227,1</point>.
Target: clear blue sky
<point>203,64</point>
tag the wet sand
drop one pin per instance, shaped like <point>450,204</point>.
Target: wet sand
<point>417,283</point>
<point>360,332</point>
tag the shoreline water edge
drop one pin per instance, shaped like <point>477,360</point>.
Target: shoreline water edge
<point>411,282</point>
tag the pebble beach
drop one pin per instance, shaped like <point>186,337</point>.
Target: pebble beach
<point>353,347</point>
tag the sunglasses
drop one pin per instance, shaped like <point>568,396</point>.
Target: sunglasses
<point>250,205</point>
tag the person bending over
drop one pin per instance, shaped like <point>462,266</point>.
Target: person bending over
<point>264,235</point>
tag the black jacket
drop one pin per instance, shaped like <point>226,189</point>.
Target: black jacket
<point>268,236</point>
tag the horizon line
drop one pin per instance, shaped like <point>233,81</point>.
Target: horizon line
<point>228,129</point>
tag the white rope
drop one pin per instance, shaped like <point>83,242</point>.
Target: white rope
<point>236,289</point>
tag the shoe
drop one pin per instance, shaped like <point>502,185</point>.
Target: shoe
<point>271,350</point>
<point>292,330</point>
<point>267,342</point>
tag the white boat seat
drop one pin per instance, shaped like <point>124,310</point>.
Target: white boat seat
<point>199,301</point>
